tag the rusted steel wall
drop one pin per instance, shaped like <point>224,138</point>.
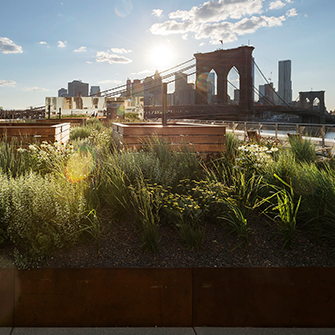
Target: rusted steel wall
<point>103,297</point>
<point>220,297</point>
<point>264,297</point>
<point>7,296</point>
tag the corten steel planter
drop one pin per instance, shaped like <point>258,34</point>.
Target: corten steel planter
<point>170,297</point>
<point>200,138</point>
<point>103,297</point>
<point>7,296</point>
<point>74,121</point>
<point>264,297</point>
<point>35,132</point>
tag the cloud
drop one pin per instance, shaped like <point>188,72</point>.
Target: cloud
<point>157,12</point>
<point>276,5</point>
<point>120,51</point>
<point>61,44</point>
<point>103,56</point>
<point>10,83</point>
<point>88,62</point>
<point>108,81</point>
<point>291,12</point>
<point>220,20</point>
<point>202,44</point>
<point>35,89</point>
<point>7,46</point>
<point>43,42</point>
<point>215,11</point>
<point>81,49</point>
<point>143,72</point>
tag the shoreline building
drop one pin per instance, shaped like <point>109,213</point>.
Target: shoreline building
<point>95,90</point>
<point>210,87</point>
<point>266,95</point>
<point>77,89</point>
<point>284,81</point>
<point>184,93</point>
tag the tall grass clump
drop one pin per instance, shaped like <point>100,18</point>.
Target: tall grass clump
<point>302,149</point>
<point>317,207</point>
<point>287,211</point>
<point>285,166</point>
<point>114,184</point>
<point>12,162</point>
<point>4,205</point>
<point>184,213</point>
<point>46,158</point>
<point>237,223</point>
<point>232,145</point>
<point>146,204</point>
<point>174,164</point>
<point>44,214</point>
<point>85,131</point>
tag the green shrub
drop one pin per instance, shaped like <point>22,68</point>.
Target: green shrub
<point>80,133</point>
<point>287,211</point>
<point>317,212</point>
<point>285,167</point>
<point>185,215</point>
<point>237,224</point>
<point>46,158</point>
<point>4,205</point>
<point>44,213</point>
<point>146,204</point>
<point>83,132</point>
<point>12,162</point>
<point>232,144</point>
<point>302,149</point>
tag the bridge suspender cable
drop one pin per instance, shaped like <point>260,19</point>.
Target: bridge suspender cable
<point>271,86</point>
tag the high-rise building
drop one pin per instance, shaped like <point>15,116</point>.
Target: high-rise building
<point>184,93</point>
<point>266,94</point>
<point>284,81</point>
<point>77,88</point>
<point>62,92</point>
<point>210,86</point>
<point>94,90</point>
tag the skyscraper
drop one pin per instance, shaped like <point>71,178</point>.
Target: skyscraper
<point>210,86</point>
<point>77,88</point>
<point>284,81</point>
<point>94,90</point>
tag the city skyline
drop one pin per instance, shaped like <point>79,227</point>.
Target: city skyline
<point>104,43</point>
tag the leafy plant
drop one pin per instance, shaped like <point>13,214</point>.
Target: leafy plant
<point>232,145</point>
<point>237,223</point>
<point>302,149</point>
<point>287,213</point>
<point>146,205</point>
<point>317,207</point>
<point>44,213</point>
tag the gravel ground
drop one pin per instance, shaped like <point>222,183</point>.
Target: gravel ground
<point>121,247</point>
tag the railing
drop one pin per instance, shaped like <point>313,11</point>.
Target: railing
<point>319,134</point>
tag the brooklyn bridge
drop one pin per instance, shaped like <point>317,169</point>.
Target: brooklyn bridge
<point>222,62</point>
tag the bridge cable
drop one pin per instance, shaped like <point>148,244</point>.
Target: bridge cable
<point>272,87</point>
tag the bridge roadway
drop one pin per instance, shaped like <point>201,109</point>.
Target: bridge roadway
<point>232,112</point>
<point>38,113</point>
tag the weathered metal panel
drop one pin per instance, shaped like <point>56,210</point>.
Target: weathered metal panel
<point>7,297</point>
<point>103,297</point>
<point>264,297</point>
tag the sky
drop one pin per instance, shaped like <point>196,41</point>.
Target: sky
<point>44,44</point>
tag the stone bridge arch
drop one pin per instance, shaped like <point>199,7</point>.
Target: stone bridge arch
<point>222,61</point>
<point>306,100</point>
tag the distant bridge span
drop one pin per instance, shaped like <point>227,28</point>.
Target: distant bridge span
<point>232,112</point>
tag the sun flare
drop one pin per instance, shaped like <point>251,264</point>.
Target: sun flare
<point>161,56</point>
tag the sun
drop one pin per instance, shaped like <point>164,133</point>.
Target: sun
<point>161,56</point>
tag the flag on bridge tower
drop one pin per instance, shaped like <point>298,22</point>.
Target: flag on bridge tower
<point>221,41</point>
